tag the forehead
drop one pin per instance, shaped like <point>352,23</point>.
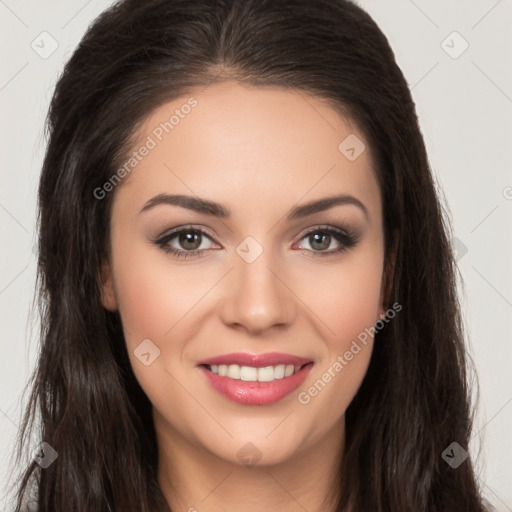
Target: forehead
<point>250,146</point>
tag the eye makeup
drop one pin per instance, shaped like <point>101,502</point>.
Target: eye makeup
<point>346,239</point>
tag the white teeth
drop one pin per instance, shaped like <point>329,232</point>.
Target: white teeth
<point>279,371</point>
<point>251,374</point>
<point>233,371</point>
<point>248,373</point>
<point>265,374</point>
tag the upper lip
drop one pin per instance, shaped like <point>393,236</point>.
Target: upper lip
<point>256,360</point>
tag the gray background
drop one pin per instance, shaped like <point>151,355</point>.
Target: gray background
<point>464,102</point>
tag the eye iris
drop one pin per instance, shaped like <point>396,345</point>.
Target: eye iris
<point>189,240</point>
<point>317,237</point>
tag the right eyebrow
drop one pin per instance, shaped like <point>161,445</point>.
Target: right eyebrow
<point>192,203</point>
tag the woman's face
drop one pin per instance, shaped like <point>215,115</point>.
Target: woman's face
<point>271,276</point>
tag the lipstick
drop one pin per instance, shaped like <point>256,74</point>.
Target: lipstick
<point>256,379</point>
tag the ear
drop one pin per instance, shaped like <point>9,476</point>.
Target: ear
<point>388,274</point>
<point>108,295</point>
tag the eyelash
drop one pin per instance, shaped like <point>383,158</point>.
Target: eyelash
<point>345,238</point>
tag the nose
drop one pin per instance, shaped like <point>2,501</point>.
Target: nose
<point>257,297</point>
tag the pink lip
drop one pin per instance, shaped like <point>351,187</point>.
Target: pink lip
<point>256,360</point>
<point>255,392</point>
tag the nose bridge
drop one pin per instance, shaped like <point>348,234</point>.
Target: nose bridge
<point>256,297</point>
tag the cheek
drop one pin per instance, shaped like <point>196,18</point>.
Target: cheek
<point>347,302</point>
<point>345,296</point>
<point>153,296</point>
<point>155,301</point>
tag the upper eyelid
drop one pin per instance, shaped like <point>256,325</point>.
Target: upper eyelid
<point>176,231</point>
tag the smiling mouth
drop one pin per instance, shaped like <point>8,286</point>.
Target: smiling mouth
<point>253,374</point>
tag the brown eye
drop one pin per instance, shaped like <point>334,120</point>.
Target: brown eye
<point>320,239</point>
<point>185,242</point>
<point>189,240</point>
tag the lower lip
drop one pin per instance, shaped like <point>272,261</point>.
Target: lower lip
<point>255,392</point>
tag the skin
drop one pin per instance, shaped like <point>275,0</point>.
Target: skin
<point>259,152</point>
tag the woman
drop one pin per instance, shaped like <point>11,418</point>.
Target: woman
<point>248,294</point>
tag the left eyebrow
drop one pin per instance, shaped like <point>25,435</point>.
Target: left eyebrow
<point>324,204</point>
<point>208,207</point>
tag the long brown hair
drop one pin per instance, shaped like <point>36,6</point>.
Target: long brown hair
<point>415,399</point>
